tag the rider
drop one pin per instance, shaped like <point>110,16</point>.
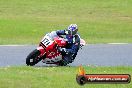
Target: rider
<point>73,39</point>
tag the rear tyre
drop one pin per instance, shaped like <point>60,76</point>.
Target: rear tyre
<point>61,63</point>
<point>33,58</point>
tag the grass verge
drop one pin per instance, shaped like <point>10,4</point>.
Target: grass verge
<point>56,77</point>
<point>26,21</point>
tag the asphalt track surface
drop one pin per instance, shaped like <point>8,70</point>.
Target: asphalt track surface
<point>93,54</point>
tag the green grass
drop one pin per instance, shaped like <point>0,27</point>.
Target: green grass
<point>55,77</point>
<point>99,21</point>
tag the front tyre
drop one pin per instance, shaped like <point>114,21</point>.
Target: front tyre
<point>32,58</point>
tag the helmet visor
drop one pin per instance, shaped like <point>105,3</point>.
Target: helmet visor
<point>72,32</point>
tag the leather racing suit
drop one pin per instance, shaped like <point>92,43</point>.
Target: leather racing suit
<point>70,52</point>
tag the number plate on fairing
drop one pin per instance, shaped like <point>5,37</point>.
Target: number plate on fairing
<point>46,41</point>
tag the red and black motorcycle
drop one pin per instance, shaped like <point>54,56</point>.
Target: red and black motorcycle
<point>47,50</point>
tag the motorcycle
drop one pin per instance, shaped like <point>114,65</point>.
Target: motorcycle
<point>47,50</point>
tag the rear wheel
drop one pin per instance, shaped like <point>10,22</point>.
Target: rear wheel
<point>61,63</point>
<point>33,58</point>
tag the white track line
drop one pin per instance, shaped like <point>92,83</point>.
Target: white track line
<point>85,45</point>
<point>117,43</point>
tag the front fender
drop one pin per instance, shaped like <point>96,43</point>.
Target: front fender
<point>42,50</point>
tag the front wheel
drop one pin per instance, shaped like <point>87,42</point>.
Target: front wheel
<point>33,58</point>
